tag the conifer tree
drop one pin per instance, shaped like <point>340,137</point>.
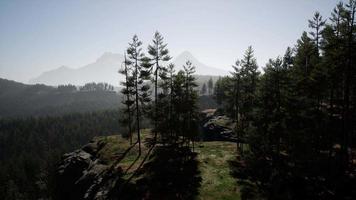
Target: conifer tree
<point>177,104</point>
<point>128,92</point>
<point>317,24</point>
<point>222,91</point>
<point>163,106</point>
<point>190,103</point>
<point>203,89</point>
<point>171,77</point>
<point>248,81</point>
<point>158,53</point>
<point>218,91</point>
<point>236,77</point>
<point>210,86</point>
<point>140,76</point>
<point>288,58</point>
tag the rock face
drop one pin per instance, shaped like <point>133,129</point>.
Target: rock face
<point>82,175</point>
<point>217,127</point>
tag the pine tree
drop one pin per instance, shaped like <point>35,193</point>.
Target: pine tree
<point>171,77</point>
<point>305,57</point>
<point>236,77</point>
<point>163,107</point>
<point>317,23</point>
<point>190,103</point>
<point>218,91</point>
<point>248,81</point>
<point>288,58</point>
<point>140,76</point>
<point>222,92</point>
<point>210,86</point>
<point>203,89</point>
<point>128,92</point>
<point>177,104</point>
<point>159,53</point>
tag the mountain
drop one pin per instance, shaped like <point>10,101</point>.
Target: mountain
<point>200,68</point>
<point>105,69</point>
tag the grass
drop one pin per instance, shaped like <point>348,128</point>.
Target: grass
<point>213,157</point>
<point>116,145</point>
<point>217,182</point>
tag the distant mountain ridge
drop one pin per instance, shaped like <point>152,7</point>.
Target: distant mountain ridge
<point>105,69</point>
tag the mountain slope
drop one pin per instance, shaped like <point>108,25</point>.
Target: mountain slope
<point>105,69</point>
<point>200,68</point>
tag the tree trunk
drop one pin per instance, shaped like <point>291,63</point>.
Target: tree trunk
<point>137,109</point>
<point>128,100</point>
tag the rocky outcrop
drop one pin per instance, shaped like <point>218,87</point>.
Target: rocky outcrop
<point>83,175</point>
<point>217,127</point>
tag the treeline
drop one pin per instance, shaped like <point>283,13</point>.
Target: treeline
<point>30,149</point>
<point>96,87</point>
<point>21,100</point>
<point>89,87</point>
<point>172,107</point>
<point>296,120</point>
<point>207,88</point>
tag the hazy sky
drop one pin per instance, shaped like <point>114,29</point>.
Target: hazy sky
<point>40,35</point>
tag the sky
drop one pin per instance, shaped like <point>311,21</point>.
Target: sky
<point>41,35</point>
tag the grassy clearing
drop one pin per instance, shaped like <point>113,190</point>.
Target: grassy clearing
<point>217,182</point>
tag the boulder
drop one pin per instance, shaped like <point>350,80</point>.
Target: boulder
<point>218,127</point>
<point>82,175</point>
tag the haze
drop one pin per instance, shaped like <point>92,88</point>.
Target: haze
<point>38,36</point>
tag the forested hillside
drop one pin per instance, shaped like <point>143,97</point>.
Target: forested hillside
<point>21,100</point>
<point>30,149</point>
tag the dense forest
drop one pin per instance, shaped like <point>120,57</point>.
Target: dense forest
<point>30,148</point>
<point>296,120</point>
<point>21,100</point>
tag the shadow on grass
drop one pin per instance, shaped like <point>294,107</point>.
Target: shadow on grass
<point>127,190</point>
<point>171,172</point>
<point>249,189</point>
<point>259,179</point>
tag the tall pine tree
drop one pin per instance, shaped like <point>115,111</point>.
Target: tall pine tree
<point>141,87</point>
<point>158,53</point>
